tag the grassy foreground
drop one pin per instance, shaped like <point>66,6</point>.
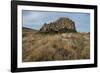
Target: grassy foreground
<point>51,47</point>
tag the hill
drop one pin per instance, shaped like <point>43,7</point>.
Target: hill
<point>52,47</point>
<point>26,31</point>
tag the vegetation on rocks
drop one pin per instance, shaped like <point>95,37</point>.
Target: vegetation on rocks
<point>59,26</point>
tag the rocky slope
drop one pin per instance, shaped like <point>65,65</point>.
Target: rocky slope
<point>61,25</point>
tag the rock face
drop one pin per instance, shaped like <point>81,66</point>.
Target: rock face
<point>61,25</point>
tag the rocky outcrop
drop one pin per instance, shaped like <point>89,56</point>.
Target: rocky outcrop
<point>61,25</point>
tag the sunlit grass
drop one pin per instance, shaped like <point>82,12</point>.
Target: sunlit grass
<point>51,47</point>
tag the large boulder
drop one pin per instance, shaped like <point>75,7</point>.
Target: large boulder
<point>61,25</point>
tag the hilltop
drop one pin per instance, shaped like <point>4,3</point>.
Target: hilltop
<point>60,25</point>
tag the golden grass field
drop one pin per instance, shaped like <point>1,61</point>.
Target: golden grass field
<point>51,47</point>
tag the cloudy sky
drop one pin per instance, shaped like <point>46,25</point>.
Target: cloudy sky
<point>35,19</point>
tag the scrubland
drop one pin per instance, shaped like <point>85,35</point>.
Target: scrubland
<point>51,47</point>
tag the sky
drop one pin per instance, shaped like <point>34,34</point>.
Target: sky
<point>36,19</point>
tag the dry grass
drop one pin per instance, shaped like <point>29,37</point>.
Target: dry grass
<point>50,47</point>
